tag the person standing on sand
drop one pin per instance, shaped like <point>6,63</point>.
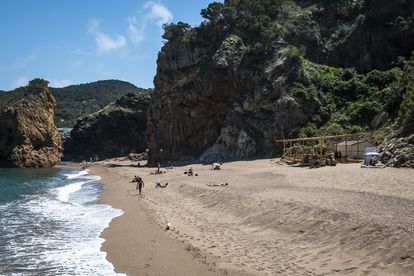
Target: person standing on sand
<point>140,184</point>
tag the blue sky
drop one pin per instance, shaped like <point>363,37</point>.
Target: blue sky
<point>77,41</point>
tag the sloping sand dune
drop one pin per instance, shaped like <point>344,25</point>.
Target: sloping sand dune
<point>280,220</point>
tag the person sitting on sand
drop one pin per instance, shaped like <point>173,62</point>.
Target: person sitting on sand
<point>159,185</point>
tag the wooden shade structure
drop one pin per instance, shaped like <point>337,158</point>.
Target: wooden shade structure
<point>313,148</point>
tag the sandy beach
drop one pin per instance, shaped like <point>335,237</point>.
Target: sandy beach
<point>270,219</point>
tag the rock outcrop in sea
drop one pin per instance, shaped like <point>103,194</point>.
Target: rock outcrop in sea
<point>114,131</point>
<point>28,135</point>
<point>249,75</point>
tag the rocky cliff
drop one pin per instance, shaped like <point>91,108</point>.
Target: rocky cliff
<point>114,131</point>
<point>28,136</point>
<point>398,148</point>
<point>249,75</point>
<point>364,34</point>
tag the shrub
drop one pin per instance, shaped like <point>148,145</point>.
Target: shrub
<point>332,129</point>
<point>362,113</point>
<point>37,85</point>
<point>174,31</point>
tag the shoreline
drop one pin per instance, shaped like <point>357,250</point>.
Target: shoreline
<point>269,220</point>
<point>135,244</point>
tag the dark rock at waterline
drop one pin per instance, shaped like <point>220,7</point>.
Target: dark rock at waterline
<point>114,131</point>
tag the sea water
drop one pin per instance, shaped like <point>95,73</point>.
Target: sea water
<point>50,223</point>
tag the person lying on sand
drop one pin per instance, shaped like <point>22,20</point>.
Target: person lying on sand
<point>218,185</point>
<point>156,172</point>
<point>162,186</point>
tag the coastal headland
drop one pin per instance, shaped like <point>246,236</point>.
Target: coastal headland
<point>270,219</point>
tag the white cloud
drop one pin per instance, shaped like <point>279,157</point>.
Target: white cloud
<point>60,83</point>
<point>159,13</point>
<point>105,42</point>
<point>155,13</point>
<point>94,25</point>
<point>22,81</point>
<point>135,35</point>
<point>23,62</point>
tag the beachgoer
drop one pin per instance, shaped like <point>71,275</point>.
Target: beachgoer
<point>216,166</point>
<point>140,184</point>
<point>159,185</point>
<point>136,178</point>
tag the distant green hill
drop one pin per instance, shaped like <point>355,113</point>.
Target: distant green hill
<point>7,98</point>
<point>77,101</point>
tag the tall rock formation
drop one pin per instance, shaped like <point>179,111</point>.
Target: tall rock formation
<point>364,34</point>
<point>232,86</point>
<point>114,131</point>
<point>28,136</point>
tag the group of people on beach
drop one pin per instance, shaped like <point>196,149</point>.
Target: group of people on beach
<point>140,184</point>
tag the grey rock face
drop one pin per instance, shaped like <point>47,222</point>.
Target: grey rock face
<point>398,152</point>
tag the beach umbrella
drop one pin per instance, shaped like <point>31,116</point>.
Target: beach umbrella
<point>372,154</point>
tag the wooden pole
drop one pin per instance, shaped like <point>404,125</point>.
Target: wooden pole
<point>321,151</point>
<point>358,149</point>
<point>346,148</point>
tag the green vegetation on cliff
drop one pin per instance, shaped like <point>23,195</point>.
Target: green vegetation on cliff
<point>351,102</point>
<point>405,90</point>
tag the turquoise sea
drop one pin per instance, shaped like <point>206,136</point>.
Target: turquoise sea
<point>50,223</point>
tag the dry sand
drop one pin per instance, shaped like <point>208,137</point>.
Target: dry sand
<point>270,220</point>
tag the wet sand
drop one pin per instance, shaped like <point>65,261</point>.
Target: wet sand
<point>270,220</point>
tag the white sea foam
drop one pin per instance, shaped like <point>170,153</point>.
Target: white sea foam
<point>79,248</point>
<point>77,175</point>
<point>62,238</point>
<point>64,192</point>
